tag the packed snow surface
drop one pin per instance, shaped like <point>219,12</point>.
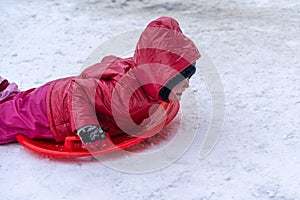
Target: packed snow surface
<point>254,45</point>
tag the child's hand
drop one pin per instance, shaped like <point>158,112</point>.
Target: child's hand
<point>94,138</point>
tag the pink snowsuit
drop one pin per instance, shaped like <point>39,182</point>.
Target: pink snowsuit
<point>97,96</point>
<point>14,115</point>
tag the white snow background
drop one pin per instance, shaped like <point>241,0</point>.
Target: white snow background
<point>254,45</point>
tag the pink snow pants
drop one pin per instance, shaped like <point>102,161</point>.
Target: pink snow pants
<point>25,113</point>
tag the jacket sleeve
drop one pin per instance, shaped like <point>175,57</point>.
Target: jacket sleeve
<point>92,87</point>
<point>83,104</point>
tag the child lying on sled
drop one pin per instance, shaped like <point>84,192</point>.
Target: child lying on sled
<point>108,98</point>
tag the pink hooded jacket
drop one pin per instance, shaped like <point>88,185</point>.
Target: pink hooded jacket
<point>119,94</point>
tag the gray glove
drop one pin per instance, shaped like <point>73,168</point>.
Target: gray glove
<point>91,134</point>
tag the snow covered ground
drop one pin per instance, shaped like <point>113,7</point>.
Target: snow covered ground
<point>254,45</point>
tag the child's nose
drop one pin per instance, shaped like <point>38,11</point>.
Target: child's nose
<point>186,83</point>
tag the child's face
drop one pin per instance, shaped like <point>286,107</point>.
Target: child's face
<point>177,91</point>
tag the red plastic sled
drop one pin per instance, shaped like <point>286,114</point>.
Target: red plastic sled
<point>72,146</point>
